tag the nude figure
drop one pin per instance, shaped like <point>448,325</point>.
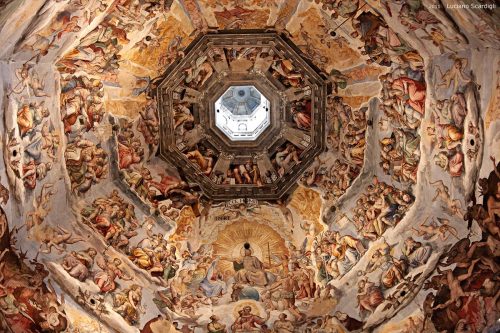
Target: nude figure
<point>4,195</point>
<point>493,202</point>
<point>481,216</point>
<point>455,74</point>
<point>453,283</point>
<point>427,308</point>
<point>199,73</point>
<point>442,193</point>
<point>58,240</point>
<point>286,286</point>
<point>205,162</point>
<point>285,156</point>
<point>28,81</point>
<point>491,245</point>
<point>433,230</point>
<point>41,205</point>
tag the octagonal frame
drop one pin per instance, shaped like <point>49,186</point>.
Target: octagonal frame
<point>280,133</point>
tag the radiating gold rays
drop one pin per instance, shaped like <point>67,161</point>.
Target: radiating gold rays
<point>265,242</point>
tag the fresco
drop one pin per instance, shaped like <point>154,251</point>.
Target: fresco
<point>394,227</point>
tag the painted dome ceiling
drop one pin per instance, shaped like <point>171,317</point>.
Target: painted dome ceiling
<point>249,166</point>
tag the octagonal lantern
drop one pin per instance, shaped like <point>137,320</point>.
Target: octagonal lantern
<point>242,115</point>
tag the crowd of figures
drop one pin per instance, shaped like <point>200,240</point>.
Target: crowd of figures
<point>167,194</point>
<point>32,143</point>
<point>99,51</point>
<point>288,287</point>
<point>39,140</point>
<point>245,173</point>
<point>379,207</point>
<point>27,303</point>
<point>387,279</point>
<point>81,111</point>
<point>464,293</point>
<point>402,97</point>
<point>448,119</point>
<point>333,171</point>
<point>115,220</point>
<point>135,142</point>
<point>285,285</point>
<point>186,119</point>
<point>87,157</point>
<point>137,139</point>
<point>188,280</point>
<point>269,293</point>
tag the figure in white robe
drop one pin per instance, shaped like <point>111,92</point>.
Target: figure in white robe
<point>212,285</point>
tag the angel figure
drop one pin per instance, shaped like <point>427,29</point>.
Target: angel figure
<point>128,304</point>
<point>50,140</point>
<point>59,239</point>
<point>434,230</point>
<point>485,32</point>
<point>173,50</point>
<point>27,81</point>
<point>111,270</point>
<point>143,44</point>
<point>297,255</point>
<point>307,226</point>
<point>240,210</point>
<point>455,74</point>
<point>212,284</point>
<point>41,206</point>
<point>39,47</point>
<point>439,39</point>
<point>199,73</point>
<point>287,213</point>
<point>205,211</point>
<point>443,193</point>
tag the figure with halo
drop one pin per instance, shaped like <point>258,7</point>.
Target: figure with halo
<point>250,270</point>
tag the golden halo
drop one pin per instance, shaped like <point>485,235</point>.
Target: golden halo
<point>240,305</point>
<point>242,250</point>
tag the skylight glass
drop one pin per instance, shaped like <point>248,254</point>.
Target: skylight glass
<point>242,113</point>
